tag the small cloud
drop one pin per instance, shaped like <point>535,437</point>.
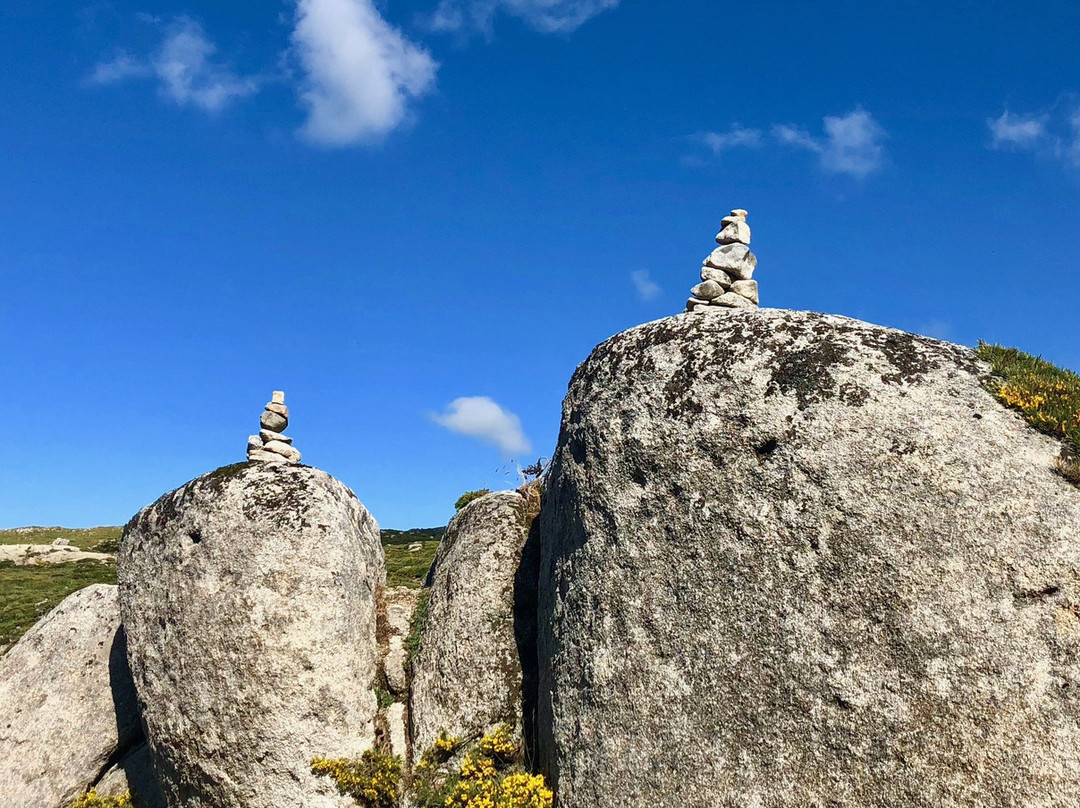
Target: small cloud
<point>124,66</point>
<point>1017,131</point>
<point>189,76</point>
<point>737,135</point>
<point>480,417</point>
<point>546,16</point>
<point>360,72</point>
<point>1054,134</point>
<point>852,144</point>
<point>647,288</point>
<point>794,136</point>
<point>184,68</point>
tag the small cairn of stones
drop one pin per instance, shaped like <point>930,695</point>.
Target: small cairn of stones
<point>270,446</point>
<point>725,276</point>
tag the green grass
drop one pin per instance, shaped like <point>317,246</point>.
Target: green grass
<point>1048,396</point>
<point>405,568</point>
<point>94,539</point>
<point>27,593</point>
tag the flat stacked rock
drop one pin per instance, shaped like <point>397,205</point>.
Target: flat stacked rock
<point>725,276</point>
<point>270,445</point>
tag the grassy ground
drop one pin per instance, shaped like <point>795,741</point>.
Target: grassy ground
<point>1048,396</point>
<point>406,567</point>
<point>27,593</point>
<point>95,539</point>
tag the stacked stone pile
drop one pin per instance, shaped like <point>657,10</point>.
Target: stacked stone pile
<point>727,271</point>
<point>270,445</point>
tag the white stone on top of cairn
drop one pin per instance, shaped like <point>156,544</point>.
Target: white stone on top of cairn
<point>270,445</point>
<point>726,274</point>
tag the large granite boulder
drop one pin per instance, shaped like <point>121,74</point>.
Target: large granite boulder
<point>791,559</point>
<point>67,702</point>
<point>249,600</point>
<point>467,675</point>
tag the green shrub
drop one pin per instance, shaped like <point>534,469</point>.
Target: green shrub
<point>374,781</point>
<point>469,496</point>
<point>1048,396</point>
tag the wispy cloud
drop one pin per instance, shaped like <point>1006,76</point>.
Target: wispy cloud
<point>737,135</point>
<point>481,418</point>
<point>547,16</point>
<point>184,68</point>
<point>852,144</point>
<point>647,288</point>
<point>360,73</point>
<point>1020,131</point>
<point>1054,133</point>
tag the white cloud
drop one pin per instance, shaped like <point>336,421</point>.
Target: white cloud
<point>1053,134</point>
<point>361,72</point>
<point>184,68</point>
<point>547,16</point>
<point>480,417</point>
<point>647,288</point>
<point>794,136</point>
<point>187,74</point>
<point>1020,131</point>
<point>123,66</point>
<point>852,144</point>
<point>737,135</point>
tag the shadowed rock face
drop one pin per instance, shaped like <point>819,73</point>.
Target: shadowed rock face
<point>67,703</point>
<point>468,672</point>
<point>795,559</point>
<point>248,596</point>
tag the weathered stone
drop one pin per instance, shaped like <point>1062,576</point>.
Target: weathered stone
<point>280,409</point>
<point>256,441</point>
<point>713,274</point>
<point>468,674</point>
<point>707,290</point>
<point>792,559</point>
<point>259,456</point>
<point>399,603</point>
<point>739,212</point>
<point>273,421</point>
<point>248,597</point>
<point>61,543</point>
<point>67,702</point>
<point>277,397</point>
<point>33,555</point>
<point>737,232</point>
<point>399,736</point>
<point>267,435</point>
<point>695,303</point>
<point>735,259</point>
<point>732,300</point>
<point>747,289</point>
<point>285,450</point>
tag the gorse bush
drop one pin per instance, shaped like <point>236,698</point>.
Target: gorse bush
<point>374,781</point>
<point>1048,396</point>
<point>490,775</point>
<point>92,800</point>
<point>469,496</point>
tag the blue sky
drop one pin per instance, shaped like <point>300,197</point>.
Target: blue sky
<point>417,218</point>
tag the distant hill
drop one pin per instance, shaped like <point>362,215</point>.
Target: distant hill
<point>390,536</point>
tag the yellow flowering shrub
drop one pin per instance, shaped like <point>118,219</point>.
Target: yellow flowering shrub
<point>490,776</point>
<point>374,781</point>
<point>91,800</point>
<point>1048,396</point>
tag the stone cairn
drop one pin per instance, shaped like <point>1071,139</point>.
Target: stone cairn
<point>725,277</point>
<point>270,446</point>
